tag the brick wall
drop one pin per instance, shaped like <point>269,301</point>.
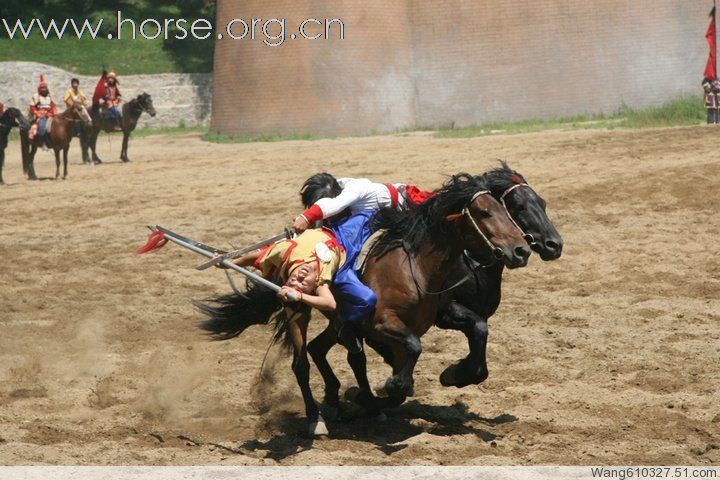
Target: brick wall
<point>410,63</point>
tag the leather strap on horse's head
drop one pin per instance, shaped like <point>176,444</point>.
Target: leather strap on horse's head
<point>466,213</point>
<point>528,237</point>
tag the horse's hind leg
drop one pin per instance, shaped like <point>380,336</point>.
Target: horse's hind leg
<point>471,370</point>
<point>92,142</point>
<point>297,329</point>
<point>318,349</point>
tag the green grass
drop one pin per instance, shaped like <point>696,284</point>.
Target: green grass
<point>87,56</point>
<point>683,111</point>
<point>220,138</point>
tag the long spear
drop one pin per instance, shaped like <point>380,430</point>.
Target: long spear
<point>210,252</point>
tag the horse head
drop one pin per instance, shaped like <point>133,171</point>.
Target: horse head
<point>527,209</point>
<point>80,112</point>
<point>145,102</point>
<point>485,229</point>
<point>13,117</point>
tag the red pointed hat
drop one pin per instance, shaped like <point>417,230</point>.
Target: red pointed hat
<point>42,82</point>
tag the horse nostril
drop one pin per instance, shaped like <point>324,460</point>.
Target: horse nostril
<point>522,252</point>
<point>550,245</point>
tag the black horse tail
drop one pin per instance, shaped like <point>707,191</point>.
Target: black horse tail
<point>230,315</point>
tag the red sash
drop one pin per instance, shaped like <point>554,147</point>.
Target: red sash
<point>394,200</point>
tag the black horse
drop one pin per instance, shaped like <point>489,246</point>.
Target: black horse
<point>469,296</point>
<point>12,117</point>
<point>468,307</point>
<point>131,112</point>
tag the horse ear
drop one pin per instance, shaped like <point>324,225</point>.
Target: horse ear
<point>454,217</point>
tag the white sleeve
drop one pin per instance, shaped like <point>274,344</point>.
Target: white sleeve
<point>333,206</point>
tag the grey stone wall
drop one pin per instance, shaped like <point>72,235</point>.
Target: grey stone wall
<point>177,97</point>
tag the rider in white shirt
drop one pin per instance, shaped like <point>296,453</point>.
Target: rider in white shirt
<point>325,197</point>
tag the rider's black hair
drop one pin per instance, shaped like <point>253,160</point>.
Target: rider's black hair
<point>72,80</point>
<point>320,185</point>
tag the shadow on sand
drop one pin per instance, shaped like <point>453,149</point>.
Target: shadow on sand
<point>387,436</point>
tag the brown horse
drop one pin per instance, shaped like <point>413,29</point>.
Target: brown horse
<point>60,134</point>
<point>131,112</point>
<point>411,260</point>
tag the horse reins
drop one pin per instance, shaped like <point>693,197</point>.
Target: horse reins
<point>425,292</point>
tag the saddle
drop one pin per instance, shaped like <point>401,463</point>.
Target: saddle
<point>362,258</point>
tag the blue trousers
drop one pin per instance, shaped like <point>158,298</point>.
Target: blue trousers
<point>356,301</point>
<point>42,123</point>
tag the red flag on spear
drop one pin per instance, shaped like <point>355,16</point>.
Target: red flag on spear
<point>710,36</point>
<point>99,89</point>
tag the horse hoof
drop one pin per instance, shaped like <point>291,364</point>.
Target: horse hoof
<point>448,378</point>
<point>330,411</point>
<point>351,394</point>
<point>380,417</point>
<point>318,428</point>
<point>125,160</point>
<point>381,389</point>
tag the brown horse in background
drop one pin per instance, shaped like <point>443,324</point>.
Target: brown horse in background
<point>60,135</point>
<point>410,261</point>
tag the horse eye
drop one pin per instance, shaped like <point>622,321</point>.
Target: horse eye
<point>484,213</point>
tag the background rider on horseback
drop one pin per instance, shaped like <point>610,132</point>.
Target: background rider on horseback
<point>42,108</point>
<point>107,98</point>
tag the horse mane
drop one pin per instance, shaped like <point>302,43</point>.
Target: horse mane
<point>499,179</point>
<point>427,222</point>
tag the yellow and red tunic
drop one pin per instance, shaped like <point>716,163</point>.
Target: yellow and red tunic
<point>277,261</point>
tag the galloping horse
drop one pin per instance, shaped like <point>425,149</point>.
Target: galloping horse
<point>468,307</point>
<point>60,133</point>
<point>12,117</point>
<point>131,112</point>
<point>412,258</point>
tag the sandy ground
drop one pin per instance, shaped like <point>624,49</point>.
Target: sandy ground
<point>610,355</point>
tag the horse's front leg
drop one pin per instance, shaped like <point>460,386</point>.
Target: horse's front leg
<point>2,163</point>
<point>31,163</point>
<point>297,330</point>
<point>82,136</point>
<point>57,163</point>
<point>319,348</point>
<point>65,162</point>
<point>472,370</point>
<point>406,349</point>
<point>123,152</point>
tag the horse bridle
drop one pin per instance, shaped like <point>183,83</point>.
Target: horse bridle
<point>527,236</point>
<point>141,107</point>
<point>496,251</point>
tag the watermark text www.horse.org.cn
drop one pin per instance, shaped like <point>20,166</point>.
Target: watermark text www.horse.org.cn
<point>272,32</point>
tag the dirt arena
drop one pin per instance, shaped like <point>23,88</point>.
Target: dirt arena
<point>610,355</point>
